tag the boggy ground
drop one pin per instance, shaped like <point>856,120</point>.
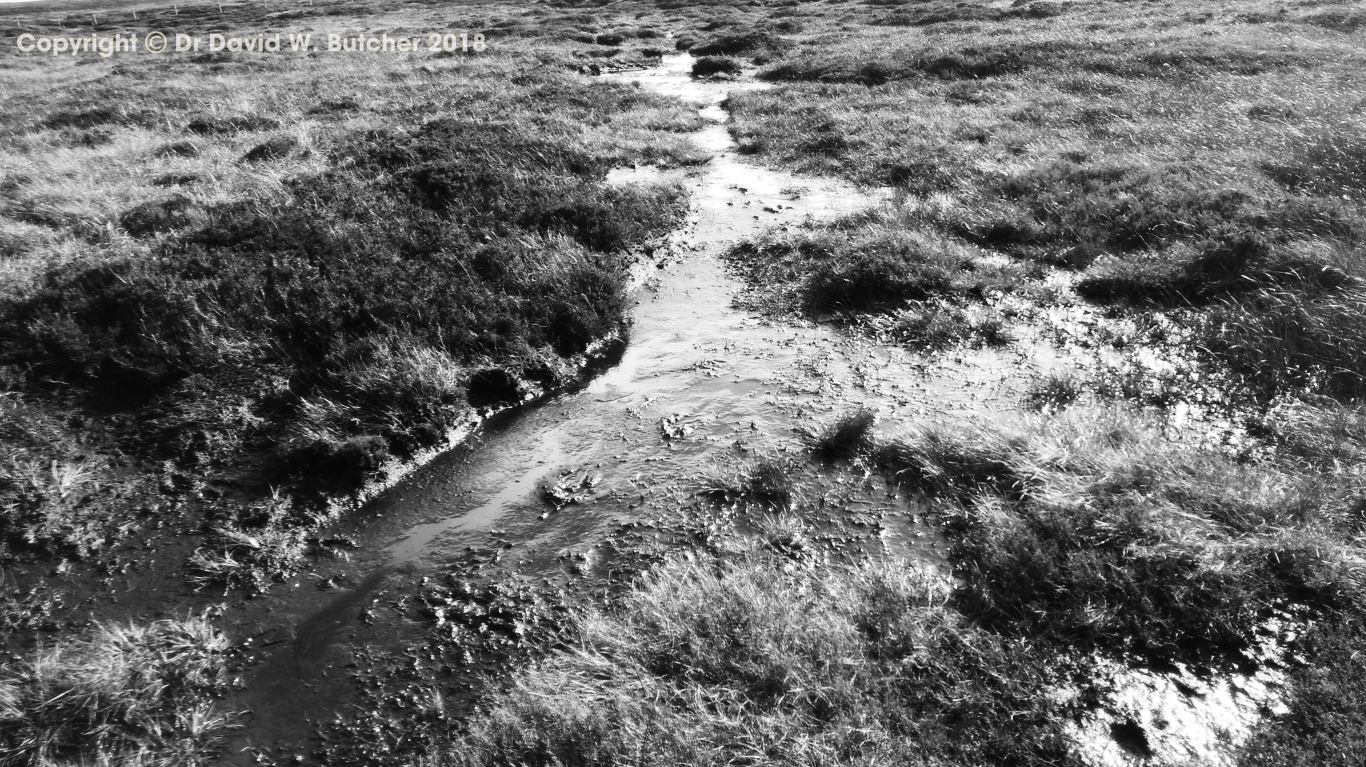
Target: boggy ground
<point>350,274</point>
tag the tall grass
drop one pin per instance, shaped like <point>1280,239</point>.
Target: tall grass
<point>1325,720</point>
<point>877,262</point>
<point>124,694</point>
<point>1283,343</point>
<point>765,481</point>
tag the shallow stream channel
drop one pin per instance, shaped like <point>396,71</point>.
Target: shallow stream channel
<point>701,387</point>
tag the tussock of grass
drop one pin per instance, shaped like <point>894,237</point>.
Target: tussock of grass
<point>753,43</point>
<point>1316,433</point>
<point>135,694</point>
<point>250,559</point>
<point>1227,266</point>
<point>843,439</point>
<point>1053,392</point>
<point>1283,342</point>
<point>764,481</point>
<point>721,662</point>
<point>940,324</point>
<point>710,66</point>
<point>877,262</point>
<point>49,507</point>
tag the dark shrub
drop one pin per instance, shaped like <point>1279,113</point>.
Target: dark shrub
<point>1225,266</point>
<point>494,386</point>
<point>85,119</point>
<point>340,463</point>
<point>175,179</point>
<point>918,176</point>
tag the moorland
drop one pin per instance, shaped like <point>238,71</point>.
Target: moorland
<point>240,294</point>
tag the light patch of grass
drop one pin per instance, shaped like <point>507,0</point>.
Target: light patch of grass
<point>262,545</point>
<point>875,262</point>
<point>124,694</point>
<point>49,506</point>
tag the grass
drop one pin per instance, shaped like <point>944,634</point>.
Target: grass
<point>312,267</point>
<point>887,270</point>
<point>766,481</point>
<point>1008,135</point>
<point>1054,391</point>
<point>1325,722</point>
<point>710,66</point>
<point>50,508</point>
<point>426,290</point>
<point>707,663</point>
<point>1279,341</point>
<point>1074,536</point>
<point>844,438</point>
<point>1090,528</point>
<point>293,272</point>
<point>126,694</point>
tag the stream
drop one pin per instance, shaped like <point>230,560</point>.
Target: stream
<point>700,384</point>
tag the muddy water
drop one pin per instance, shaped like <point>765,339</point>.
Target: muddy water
<point>702,385</point>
